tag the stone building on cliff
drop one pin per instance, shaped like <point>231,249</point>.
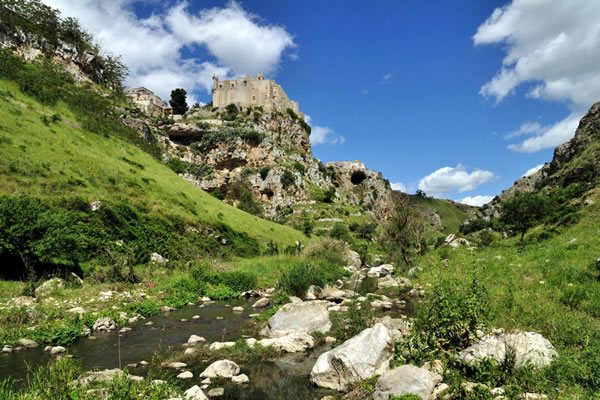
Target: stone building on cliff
<point>148,102</point>
<point>247,91</point>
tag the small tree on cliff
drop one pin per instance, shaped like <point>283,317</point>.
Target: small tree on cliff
<point>179,101</point>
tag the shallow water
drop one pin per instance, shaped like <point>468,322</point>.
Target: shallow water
<point>284,378</point>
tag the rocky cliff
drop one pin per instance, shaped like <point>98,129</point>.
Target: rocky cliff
<point>83,65</point>
<point>577,161</point>
<point>269,153</point>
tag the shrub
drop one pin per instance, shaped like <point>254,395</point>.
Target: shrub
<point>297,277</point>
<point>340,231</point>
<point>287,179</point>
<point>264,172</point>
<point>447,320</point>
<point>221,292</point>
<point>299,167</point>
<point>239,281</point>
<point>146,308</point>
<point>241,192</point>
<point>524,210</point>
<point>346,324</point>
<point>330,250</point>
<point>292,114</point>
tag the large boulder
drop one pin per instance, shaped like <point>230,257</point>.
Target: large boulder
<point>332,294</point>
<point>353,258</point>
<point>360,357</point>
<point>49,287</point>
<point>406,379</point>
<point>307,317</point>
<point>293,343</point>
<point>221,369</point>
<point>525,348</point>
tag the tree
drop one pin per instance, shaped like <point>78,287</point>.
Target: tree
<point>421,194</point>
<point>524,211</point>
<point>405,230</point>
<point>179,101</point>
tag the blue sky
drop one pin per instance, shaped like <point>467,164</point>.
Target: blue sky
<point>457,98</point>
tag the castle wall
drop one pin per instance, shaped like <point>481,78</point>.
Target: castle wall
<point>246,91</point>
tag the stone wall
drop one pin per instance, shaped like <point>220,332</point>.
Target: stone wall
<point>247,91</point>
<point>148,102</point>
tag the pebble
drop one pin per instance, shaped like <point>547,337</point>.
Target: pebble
<point>149,323</point>
<point>237,309</point>
<point>239,379</point>
<point>196,317</point>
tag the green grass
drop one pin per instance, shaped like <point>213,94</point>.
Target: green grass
<point>60,161</point>
<point>550,286</point>
<point>452,214</point>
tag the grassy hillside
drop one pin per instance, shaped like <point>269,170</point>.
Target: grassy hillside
<point>45,153</point>
<point>551,286</point>
<point>451,213</point>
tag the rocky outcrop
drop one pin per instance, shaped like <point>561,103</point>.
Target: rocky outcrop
<point>49,287</point>
<point>361,186</point>
<point>522,348</point>
<point>83,65</point>
<point>295,342</point>
<point>406,379</point>
<point>360,357</point>
<point>577,161</point>
<point>307,317</point>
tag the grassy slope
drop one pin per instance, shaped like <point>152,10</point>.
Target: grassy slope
<point>550,287</point>
<point>61,161</point>
<point>451,213</point>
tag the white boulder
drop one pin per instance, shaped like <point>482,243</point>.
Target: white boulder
<point>406,379</point>
<point>360,357</point>
<point>306,317</point>
<point>221,369</point>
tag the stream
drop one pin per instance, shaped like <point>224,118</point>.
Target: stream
<point>283,378</point>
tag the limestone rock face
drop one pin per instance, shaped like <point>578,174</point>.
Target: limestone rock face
<point>406,379</point>
<point>527,348</point>
<point>221,369</point>
<point>83,65</point>
<point>306,317</point>
<point>360,357</point>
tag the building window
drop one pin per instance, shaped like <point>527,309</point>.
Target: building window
<point>253,97</point>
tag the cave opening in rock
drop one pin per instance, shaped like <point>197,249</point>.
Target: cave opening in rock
<point>358,177</point>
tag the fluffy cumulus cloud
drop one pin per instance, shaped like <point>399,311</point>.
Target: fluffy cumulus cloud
<point>153,47</point>
<point>532,170</point>
<point>325,135</point>
<point>399,186</point>
<point>448,179</point>
<point>476,201</point>
<point>554,47</point>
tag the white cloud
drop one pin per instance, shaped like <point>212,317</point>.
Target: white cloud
<point>454,179</point>
<point>528,128</point>
<point>387,76</point>
<point>153,48</point>
<point>554,44</point>
<point>555,47</point>
<point>325,135</point>
<point>476,201</point>
<point>549,136</point>
<point>533,170</point>
<point>235,37</point>
<point>399,186</point>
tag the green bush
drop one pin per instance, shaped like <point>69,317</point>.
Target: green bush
<point>241,192</point>
<point>287,179</point>
<point>330,250</point>
<point>239,281</point>
<point>222,292</point>
<point>447,320</point>
<point>297,277</point>
<point>146,308</point>
<point>299,167</point>
<point>340,232</point>
<point>346,324</point>
<point>264,172</point>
